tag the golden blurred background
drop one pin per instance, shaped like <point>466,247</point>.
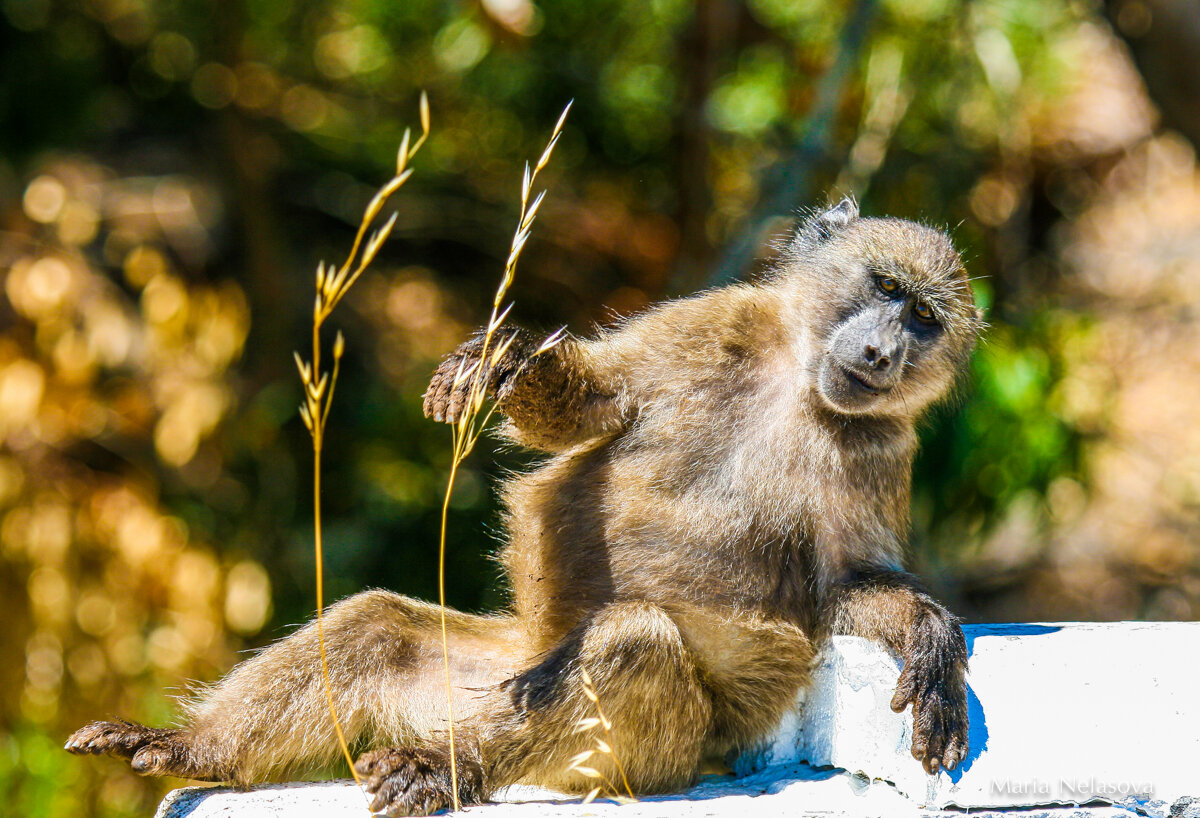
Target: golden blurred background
<point>170,173</point>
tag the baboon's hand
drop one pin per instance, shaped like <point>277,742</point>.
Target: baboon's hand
<point>449,390</point>
<point>936,688</point>
<point>149,750</point>
<point>412,781</point>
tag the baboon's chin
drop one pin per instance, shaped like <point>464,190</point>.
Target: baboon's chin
<point>844,390</point>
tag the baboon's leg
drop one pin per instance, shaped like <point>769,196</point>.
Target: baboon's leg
<point>647,683</point>
<point>892,608</point>
<point>753,668</point>
<point>270,714</point>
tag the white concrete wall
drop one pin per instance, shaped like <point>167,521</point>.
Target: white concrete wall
<point>1060,715</point>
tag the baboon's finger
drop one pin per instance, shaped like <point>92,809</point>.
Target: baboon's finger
<point>906,689</point>
<point>441,392</point>
<point>956,751</point>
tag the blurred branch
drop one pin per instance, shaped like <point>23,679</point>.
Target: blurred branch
<point>1164,37</point>
<point>787,185</point>
<point>705,43</point>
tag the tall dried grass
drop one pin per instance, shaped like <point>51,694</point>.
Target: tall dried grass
<point>473,420</point>
<point>332,285</point>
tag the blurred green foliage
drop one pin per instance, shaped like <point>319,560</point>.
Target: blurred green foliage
<point>187,163</point>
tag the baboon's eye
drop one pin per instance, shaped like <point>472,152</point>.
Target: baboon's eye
<point>888,285</point>
<point>922,311</point>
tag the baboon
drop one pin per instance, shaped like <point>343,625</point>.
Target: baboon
<point>727,485</point>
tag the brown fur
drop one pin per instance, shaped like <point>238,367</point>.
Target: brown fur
<point>721,495</point>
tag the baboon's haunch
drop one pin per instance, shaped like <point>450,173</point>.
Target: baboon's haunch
<point>728,485</point>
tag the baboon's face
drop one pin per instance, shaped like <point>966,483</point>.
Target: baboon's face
<point>896,320</point>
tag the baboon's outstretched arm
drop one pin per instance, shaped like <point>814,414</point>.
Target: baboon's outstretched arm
<point>554,398</point>
<point>579,390</point>
<point>891,607</point>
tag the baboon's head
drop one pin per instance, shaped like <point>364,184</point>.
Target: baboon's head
<point>889,313</point>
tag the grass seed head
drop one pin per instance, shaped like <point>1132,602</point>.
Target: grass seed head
<point>579,759</point>
<point>305,370</point>
<point>502,348</point>
<point>552,340</point>
<point>402,154</point>
<point>462,374</point>
<point>586,724</point>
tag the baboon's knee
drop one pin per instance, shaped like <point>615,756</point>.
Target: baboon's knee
<point>644,681</point>
<point>381,626</point>
<point>369,606</point>
<point>627,648</point>
<point>628,636</point>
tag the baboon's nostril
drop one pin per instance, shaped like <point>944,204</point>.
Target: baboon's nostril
<point>874,358</point>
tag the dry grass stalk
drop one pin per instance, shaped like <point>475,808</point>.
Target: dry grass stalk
<point>465,433</point>
<point>604,746</point>
<point>332,285</point>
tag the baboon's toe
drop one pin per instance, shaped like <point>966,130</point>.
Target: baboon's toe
<point>117,738</point>
<point>149,750</point>
<point>156,758</point>
<point>417,781</point>
<point>939,730</point>
<point>936,689</point>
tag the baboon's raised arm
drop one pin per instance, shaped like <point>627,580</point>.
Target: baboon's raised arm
<point>587,389</point>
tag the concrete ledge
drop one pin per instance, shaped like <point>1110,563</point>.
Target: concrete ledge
<point>1073,719</point>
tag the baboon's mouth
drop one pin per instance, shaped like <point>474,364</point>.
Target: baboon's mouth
<point>863,383</point>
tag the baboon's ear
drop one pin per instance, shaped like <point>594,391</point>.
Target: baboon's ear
<point>816,229</point>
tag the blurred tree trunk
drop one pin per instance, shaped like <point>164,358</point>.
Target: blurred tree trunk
<point>247,160</point>
<point>786,186</point>
<point>706,40</point>
<point>1164,37</point>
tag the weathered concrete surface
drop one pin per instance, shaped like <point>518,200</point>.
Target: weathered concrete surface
<point>1060,715</point>
<point>792,792</point>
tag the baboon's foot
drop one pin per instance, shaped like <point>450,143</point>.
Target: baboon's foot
<point>937,691</point>
<point>122,739</point>
<point>149,750</point>
<point>416,781</point>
